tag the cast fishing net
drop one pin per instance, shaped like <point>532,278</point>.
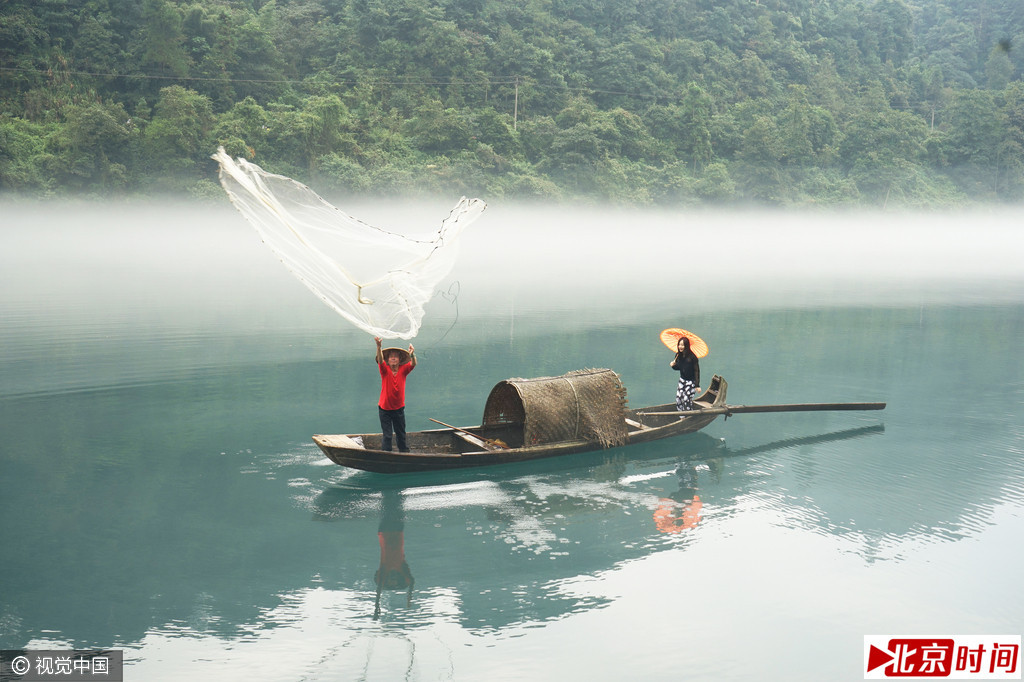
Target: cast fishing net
<point>375,279</point>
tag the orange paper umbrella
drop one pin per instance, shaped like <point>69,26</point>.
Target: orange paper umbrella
<point>670,337</point>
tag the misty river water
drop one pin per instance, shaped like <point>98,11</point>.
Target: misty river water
<point>161,375</point>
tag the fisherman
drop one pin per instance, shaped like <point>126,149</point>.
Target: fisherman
<point>394,365</point>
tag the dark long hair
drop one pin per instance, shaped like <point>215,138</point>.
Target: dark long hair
<point>686,346</point>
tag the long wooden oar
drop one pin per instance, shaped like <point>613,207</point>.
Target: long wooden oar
<point>495,443</point>
<point>792,407</point>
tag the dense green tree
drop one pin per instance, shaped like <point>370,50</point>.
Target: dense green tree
<point>974,129</point>
<point>695,123</point>
<point>888,34</point>
<point>163,47</point>
<point>243,131</point>
<point>998,68</point>
<point>810,134</point>
<point>1013,144</point>
<point>950,48</point>
<point>96,48</point>
<point>759,161</point>
<point>977,146</point>
<point>537,135</point>
<point>259,66</point>
<point>177,139</point>
<point>496,128</point>
<point>22,147</point>
<point>1013,111</point>
<point>783,101</point>
<point>434,128</point>
<point>23,45</point>
<point>92,146</point>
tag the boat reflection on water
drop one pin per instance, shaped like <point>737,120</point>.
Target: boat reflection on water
<point>510,549</point>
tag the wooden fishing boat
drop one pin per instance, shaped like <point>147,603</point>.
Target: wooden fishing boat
<point>528,419</point>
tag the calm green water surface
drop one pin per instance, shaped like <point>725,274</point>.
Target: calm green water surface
<point>161,374</point>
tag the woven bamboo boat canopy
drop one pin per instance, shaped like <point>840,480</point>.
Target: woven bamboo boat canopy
<point>587,404</point>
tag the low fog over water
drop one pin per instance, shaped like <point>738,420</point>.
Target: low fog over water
<point>714,258</point>
<point>80,277</point>
<point>66,255</point>
<point>188,275</point>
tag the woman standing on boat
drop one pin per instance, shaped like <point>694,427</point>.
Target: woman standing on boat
<point>689,374</point>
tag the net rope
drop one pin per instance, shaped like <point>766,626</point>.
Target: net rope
<point>379,281</point>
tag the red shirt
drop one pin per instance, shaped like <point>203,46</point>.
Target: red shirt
<point>392,386</point>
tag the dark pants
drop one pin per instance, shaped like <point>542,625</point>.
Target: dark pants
<point>392,420</point>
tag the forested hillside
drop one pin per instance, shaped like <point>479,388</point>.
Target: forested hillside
<point>787,102</point>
